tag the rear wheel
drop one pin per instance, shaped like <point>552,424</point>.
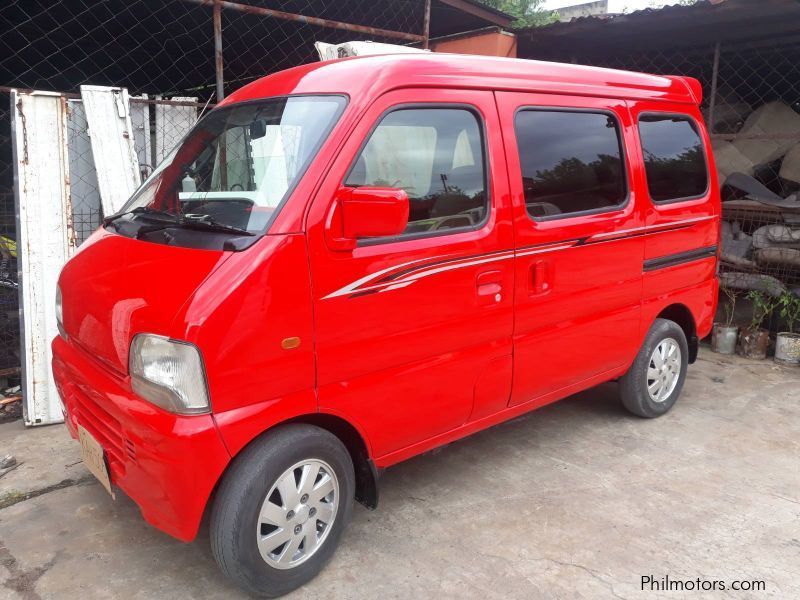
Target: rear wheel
<point>655,379</point>
<point>281,509</point>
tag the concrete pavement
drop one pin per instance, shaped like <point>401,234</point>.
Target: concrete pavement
<point>576,500</point>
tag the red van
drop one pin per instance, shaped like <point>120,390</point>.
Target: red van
<point>349,263</point>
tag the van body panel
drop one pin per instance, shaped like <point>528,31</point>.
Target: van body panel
<point>168,464</point>
<point>429,333</point>
<point>116,287</point>
<point>240,426</point>
<point>417,340</point>
<point>241,317</point>
<point>683,239</point>
<point>509,412</point>
<point>367,77</point>
<point>578,278</point>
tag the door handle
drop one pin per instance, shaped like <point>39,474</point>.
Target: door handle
<point>540,277</point>
<point>489,286</point>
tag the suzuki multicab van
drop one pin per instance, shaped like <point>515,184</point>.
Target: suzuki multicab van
<point>349,263</point>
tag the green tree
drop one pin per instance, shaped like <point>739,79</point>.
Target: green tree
<point>528,13</point>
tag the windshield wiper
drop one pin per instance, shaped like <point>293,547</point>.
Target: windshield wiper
<point>142,210</point>
<point>166,219</point>
<point>206,223</point>
<point>191,221</point>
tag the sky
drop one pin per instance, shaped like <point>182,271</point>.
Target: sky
<point>613,5</point>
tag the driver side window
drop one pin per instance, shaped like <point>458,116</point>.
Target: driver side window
<point>437,156</point>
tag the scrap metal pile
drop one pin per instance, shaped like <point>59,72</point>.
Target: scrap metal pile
<point>759,174</point>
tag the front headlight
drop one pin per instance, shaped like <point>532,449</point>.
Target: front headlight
<point>169,374</point>
<point>59,313</point>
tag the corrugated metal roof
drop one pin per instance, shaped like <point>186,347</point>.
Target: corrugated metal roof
<point>496,11</point>
<point>706,21</point>
<point>643,13</point>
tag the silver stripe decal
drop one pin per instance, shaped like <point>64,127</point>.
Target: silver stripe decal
<point>351,288</point>
<point>545,249</point>
<point>354,288</point>
<point>653,228</point>
<point>456,263</point>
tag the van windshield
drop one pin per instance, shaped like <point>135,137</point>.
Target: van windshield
<point>231,173</point>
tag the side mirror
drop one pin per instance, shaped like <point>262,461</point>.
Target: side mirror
<point>366,212</point>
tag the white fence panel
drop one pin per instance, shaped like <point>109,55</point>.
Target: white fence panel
<point>41,171</point>
<point>140,120</point>
<point>111,133</point>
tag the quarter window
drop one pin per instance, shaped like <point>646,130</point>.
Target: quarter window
<point>435,155</point>
<point>674,158</point>
<point>571,162</point>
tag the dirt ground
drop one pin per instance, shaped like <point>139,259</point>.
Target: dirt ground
<point>576,500</point>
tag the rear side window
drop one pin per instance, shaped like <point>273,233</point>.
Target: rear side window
<point>571,162</point>
<point>674,159</point>
<point>434,154</point>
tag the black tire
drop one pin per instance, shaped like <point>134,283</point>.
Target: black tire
<point>242,491</point>
<point>634,384</point>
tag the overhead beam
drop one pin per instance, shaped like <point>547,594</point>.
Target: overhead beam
<point>478,11</point>
<point>279,14</point>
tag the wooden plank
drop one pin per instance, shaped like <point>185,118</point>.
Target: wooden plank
<point>42,194</point>
<point>111,135</point>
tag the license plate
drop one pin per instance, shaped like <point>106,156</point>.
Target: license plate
<point>94,457</point>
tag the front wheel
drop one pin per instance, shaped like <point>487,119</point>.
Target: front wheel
<point>281,509</point>
<point>655,379</point>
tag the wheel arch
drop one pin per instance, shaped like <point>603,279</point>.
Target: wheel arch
<point>680,314</point>
<point>367,474</point>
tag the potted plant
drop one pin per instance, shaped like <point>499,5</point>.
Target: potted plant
<point>754,339</point>
<point>787,344</point>
<point>724,335</point>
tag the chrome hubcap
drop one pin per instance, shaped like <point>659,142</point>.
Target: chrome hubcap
<point>297,514</point>
<point>664,370</point>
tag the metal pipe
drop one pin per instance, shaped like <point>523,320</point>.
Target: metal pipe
<point>4,89</point>
<point>712,103</point>
<point>223,141</point>
<point>278,14</point>
<point>218,50</point>
<point>426,25</point>
<point>154,101</point>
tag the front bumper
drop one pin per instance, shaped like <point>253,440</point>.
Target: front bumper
<point>168,464</point>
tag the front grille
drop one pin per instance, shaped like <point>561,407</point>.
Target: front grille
<point>96,420</point>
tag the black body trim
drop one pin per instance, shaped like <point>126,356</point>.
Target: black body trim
<point>679,258</point>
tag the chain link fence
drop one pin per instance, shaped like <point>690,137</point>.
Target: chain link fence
<point>173,56</point>
<point>751,105</point>
<point>167,47</point>
<point>158,125</point>
<point>9,300</point>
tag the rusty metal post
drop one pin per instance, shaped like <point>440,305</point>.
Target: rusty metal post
<point>218,49</point>
<point>426,25</point>
<point>712,102</point>
<point>278,14</point>
<point>223,148</point>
